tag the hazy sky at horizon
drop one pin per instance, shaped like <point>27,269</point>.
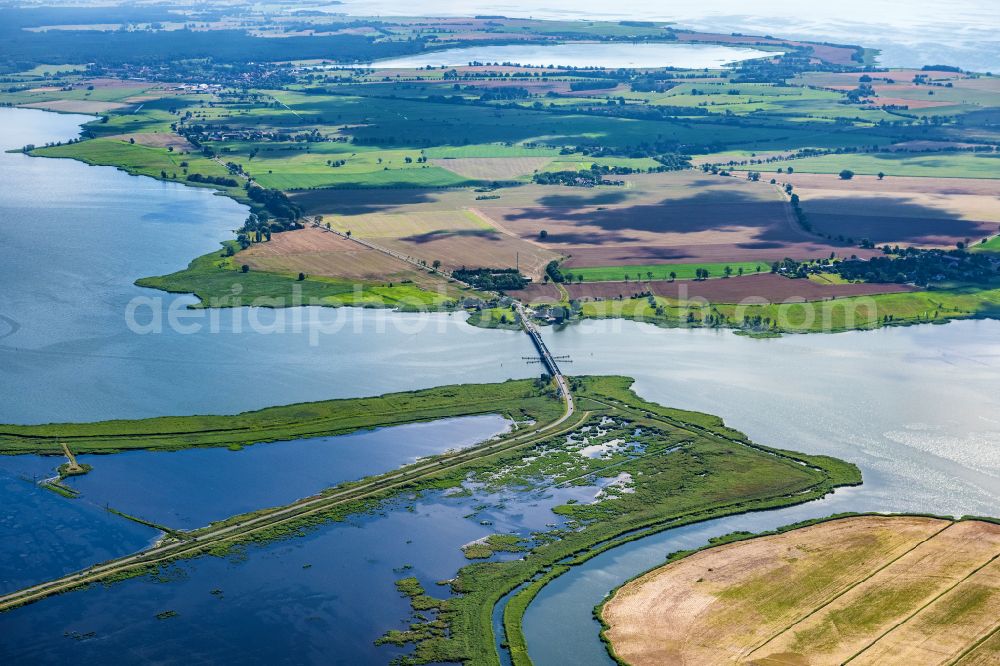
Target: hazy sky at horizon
<point>909,32</point>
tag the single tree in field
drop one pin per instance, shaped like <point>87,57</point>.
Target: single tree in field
<point>543,234</point>
<point>881,175</point>
<point>649,275</point>
<point>728,270</point>
<point>673,275</point>
<point>740,271</point>
<point>302,276</point>
<point>846,174</point>
<point>436,264</point>
<point>244,268</point>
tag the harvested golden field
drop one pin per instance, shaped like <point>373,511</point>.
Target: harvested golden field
<point>456,238</point>
<point>872,589</point>
<point>683,216</point>
<point>316,252</point>
<point>492,168</point>
<point>479,249</point>
<point>157,140</point>
<point>924,212</point>
<point>986,653</point>
<point>412,224</point>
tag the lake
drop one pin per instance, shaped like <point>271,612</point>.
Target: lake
<point>585,55</point>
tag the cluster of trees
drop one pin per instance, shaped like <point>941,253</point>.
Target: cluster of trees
<point>665,153</point>
<point>909,265</point>
<point>222,181</point>
<point>593,84</point>
<point>800,215</point>
<point>587,178</point>
<point>642,111</point>
<point>275,202</point>
<point>496,279</point>
<point>504,94</point>
<point>553,273</point>
<point>571,178</point>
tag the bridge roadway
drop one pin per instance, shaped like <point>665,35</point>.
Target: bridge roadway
<point>546,356</point>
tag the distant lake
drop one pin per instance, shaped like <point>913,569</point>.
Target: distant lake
<point>585,55</point>
<point>909,33</point>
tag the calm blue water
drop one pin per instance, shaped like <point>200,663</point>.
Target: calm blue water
<point>191,488</point>
<point>321,598</point>
<point>44,535</point>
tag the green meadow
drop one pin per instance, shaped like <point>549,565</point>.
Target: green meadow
<point>663,271</point>
<point>930,165</point>
<point>516,399</point>
<point>218,281</point>
<point>830,316</point>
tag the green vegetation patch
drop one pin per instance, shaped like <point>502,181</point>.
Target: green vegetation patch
<point>659,467</point>
<point>494,543</point>
<point>665,271</point>
<point>931,165</point>
<point>519,400</point>
<point>841,314</point>
<point>218,280</point>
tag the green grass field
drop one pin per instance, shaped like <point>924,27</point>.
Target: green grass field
<point>217,280</point>
<point>931,165</point>
<point>663,271</point>
<point>842,314</point>
<point>519,400</point>
<point>137,159</point>
<point>991,245</point>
